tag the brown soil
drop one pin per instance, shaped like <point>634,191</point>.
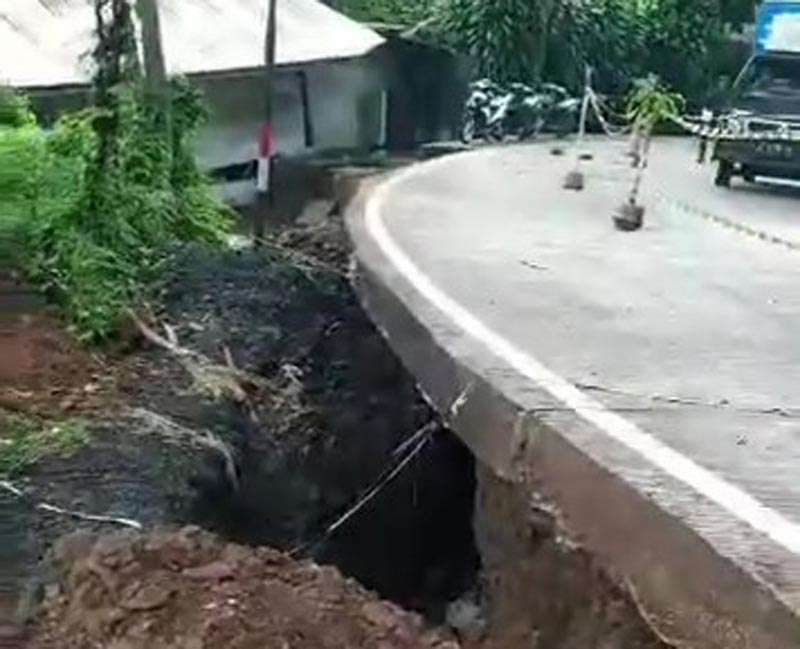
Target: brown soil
<point>44,370</point>
<point>337,406</point>
<point>336,409</point>
<point>189,590</point>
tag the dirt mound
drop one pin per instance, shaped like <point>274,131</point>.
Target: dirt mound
<point>188,590</point>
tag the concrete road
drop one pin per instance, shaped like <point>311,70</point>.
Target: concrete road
<point>668,357</point>
<point>765,208</point>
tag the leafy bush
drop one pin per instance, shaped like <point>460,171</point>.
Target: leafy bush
<point>96,235</point>
<point>650,102</point>
<point>507,39</point>
<point>21,148</point>
<point>395,13</point>
<point>688,43</point>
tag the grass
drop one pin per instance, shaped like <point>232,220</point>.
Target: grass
<point>24,442</point>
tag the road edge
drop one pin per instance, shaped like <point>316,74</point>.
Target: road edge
<point>690,592</point>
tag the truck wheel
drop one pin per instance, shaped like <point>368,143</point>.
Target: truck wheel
<point>724,174</point>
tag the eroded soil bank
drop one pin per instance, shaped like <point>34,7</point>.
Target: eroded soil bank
<point>331,455</point>
<point>330,418</point>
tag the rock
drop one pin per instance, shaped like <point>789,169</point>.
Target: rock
<point>235,554</point>
<point>448,644</point>
<point>216,571</point>
<point>315,213</point>
<point>68,403</point>
<point>146,597</point>
<point>71,548</point>
<point>113,547</point>
<point>52,591</point>
<point>379,614</point>
<point>465,616</point>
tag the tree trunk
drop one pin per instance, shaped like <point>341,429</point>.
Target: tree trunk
<point>546,10</point>
<point>156,84</point>
<point>155,68</point>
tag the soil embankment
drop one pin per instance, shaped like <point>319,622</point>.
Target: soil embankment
<point>321,451</point>
<point>329,416</point>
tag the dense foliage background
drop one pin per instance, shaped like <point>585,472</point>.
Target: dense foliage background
<point>690,44</point>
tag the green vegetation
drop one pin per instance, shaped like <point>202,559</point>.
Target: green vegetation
<point>649,103</point>
<point>400,14</point>
<point>507,38</point>
<point>20,144</point>
<point>91,207</point>
<point>24,442</point>
<point>688,43</point>
<point>97,201</point>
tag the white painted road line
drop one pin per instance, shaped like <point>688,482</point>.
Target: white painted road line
<point>730,497</point>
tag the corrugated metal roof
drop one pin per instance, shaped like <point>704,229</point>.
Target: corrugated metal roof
<point>47,42</point>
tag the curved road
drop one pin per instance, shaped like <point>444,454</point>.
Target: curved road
<point>668,357</point>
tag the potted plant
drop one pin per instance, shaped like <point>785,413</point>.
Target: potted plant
<point>648,104</point>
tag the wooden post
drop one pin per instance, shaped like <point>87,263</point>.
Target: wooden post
<point>266,153</point>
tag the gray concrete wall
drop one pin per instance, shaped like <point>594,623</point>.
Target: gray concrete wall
<point>344,109</point>
<point>344,100</point>
<point>419,89</point>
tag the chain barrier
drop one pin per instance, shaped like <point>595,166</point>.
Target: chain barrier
<point>706,127</point>
<point>597,105</point>
<point>752,129</point>
<point>727,223</point>
<point>711,129</point>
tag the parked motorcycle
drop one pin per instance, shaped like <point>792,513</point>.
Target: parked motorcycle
<point>493,112</point>
<point>484,111</point>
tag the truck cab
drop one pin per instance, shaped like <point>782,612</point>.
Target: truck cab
<point>764,110</point>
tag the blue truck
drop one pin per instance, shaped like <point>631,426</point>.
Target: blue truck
<point>763,122</point>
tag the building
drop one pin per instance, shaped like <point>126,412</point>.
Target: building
<point>337,86</point>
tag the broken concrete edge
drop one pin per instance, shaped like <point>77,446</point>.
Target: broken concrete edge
<point>688,589</point>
